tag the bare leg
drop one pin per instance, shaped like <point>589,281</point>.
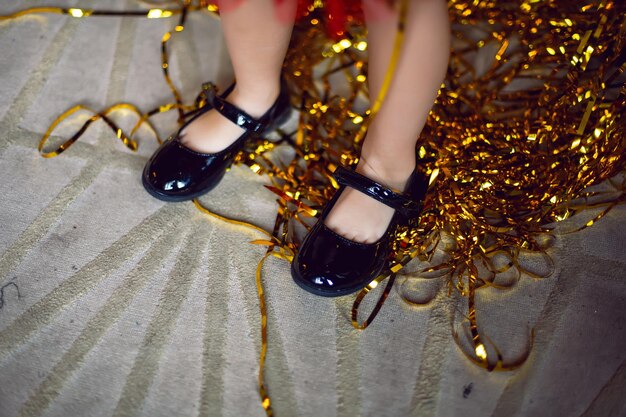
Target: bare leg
<point>257,40</point>
<point>388,153</point>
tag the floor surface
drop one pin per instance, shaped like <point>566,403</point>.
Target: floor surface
<point>129,306</point>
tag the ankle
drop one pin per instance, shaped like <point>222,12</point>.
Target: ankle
<point>254,101</point>
<point>390,169</point>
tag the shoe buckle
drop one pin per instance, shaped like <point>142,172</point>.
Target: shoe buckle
<point>208,86</point>
<point>413,216</point>
<point>207,94</point>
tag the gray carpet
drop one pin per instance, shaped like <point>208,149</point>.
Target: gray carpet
<point>129,306</point>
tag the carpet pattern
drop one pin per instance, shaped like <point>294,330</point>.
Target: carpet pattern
<point>128,306</point>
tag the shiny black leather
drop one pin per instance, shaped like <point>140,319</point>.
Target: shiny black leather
<point>404,204</point>
<point>177,173</point>
<point>330,265</point>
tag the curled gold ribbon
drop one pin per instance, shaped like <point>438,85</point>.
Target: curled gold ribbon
<point>379,304</point>
<point>506,163</point>
<point>391,68</point>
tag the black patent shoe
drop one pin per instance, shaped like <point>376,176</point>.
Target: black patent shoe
<point>177,173</point>
<point>330,265</point>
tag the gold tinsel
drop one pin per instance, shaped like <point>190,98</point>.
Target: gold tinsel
<point>511,147</point>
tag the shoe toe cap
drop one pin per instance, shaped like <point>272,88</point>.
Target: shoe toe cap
<point>164,173</point>
<point>176,173</point>
<point>328,264</point>
<point>166,178</point>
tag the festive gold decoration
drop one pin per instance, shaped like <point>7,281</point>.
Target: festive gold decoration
<point>511,147</point>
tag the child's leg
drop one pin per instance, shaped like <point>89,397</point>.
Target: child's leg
<point>257,40</point>
<point>388,153</point>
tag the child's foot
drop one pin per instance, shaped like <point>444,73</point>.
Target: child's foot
<point>212,132</point>
<point>359,217</point>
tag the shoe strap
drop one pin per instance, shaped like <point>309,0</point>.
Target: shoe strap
<point>234,113</point>
<point>399,201</point>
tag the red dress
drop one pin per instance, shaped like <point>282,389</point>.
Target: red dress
<point>339,14</point>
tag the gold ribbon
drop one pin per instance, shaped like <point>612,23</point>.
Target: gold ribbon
<point>508,162</point>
